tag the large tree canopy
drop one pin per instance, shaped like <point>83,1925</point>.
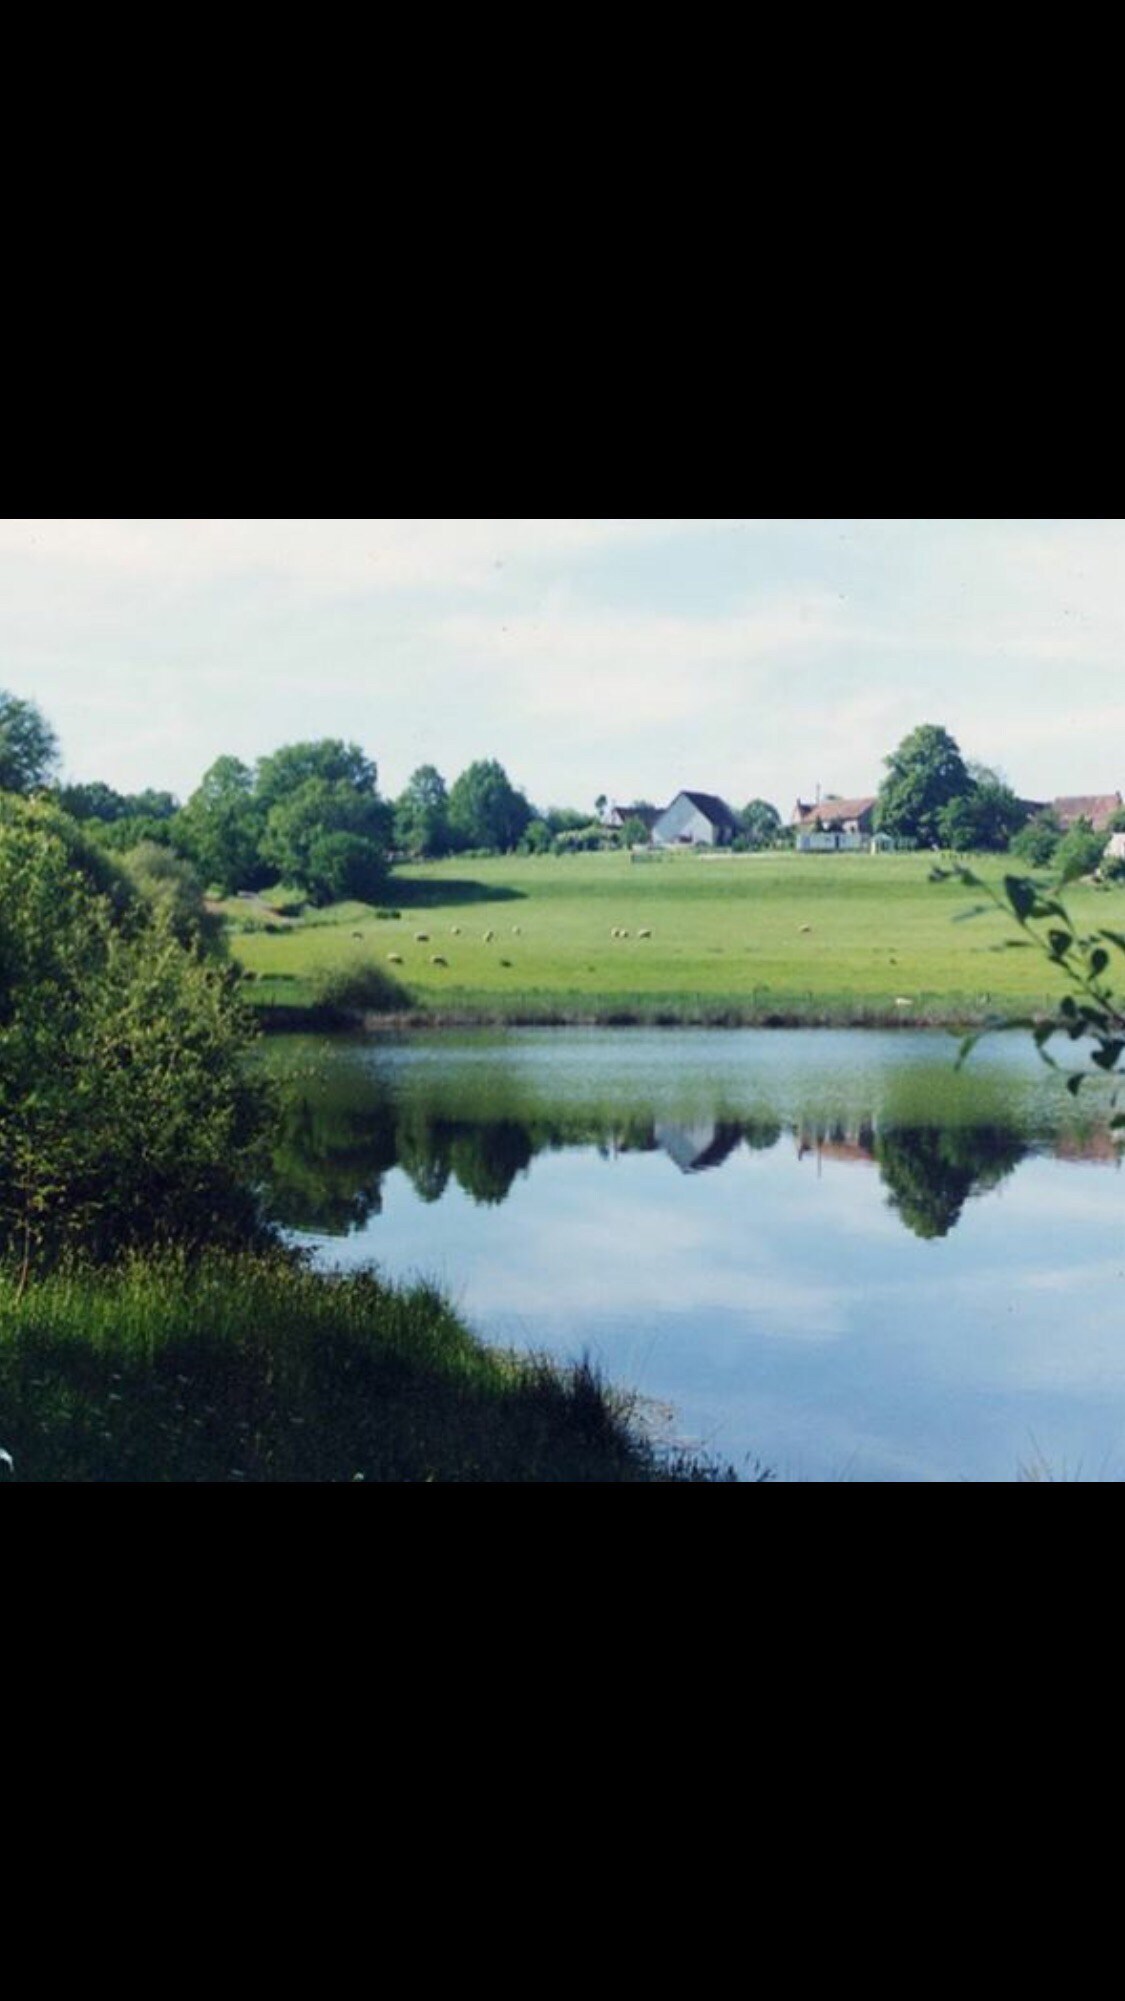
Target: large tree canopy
<point>924,775</point>
<point>29,751</point>
<point>485,810</point>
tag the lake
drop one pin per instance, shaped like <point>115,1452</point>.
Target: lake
<point>825,1253</point>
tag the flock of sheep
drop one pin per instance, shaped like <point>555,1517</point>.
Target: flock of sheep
<point>436,958</point>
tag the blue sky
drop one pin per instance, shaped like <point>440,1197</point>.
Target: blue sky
<point>753,658</point>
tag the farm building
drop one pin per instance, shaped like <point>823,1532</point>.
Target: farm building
<point>833,824</point>
<point>616,816</point>
<point>1097,807</point>
<point>695,820</point>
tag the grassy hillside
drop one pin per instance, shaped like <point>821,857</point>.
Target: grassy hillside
<point>806,936</point>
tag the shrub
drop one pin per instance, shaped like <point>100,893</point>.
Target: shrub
<point>359,984</point>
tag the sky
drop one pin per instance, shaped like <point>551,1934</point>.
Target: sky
<point>749,658</point>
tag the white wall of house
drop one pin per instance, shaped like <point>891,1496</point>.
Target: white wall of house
<point>682,824</point>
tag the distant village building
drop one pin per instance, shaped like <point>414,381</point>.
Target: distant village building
<point>1097,807</point>
<point>695,820</point>
<point>616,816</point>
<point>836,824</point>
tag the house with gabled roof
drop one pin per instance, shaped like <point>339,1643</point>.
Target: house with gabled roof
<point>833,824</point>
<point>695,820</point>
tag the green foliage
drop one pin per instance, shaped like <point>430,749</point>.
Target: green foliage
<point>634,833</point>
<point>982,820</point>
<point>1079,851</point>
<point>124,1111</point>
<point>29,750</point>
<point>924,775</point>
<point>485,810</point>
<point>1090,1011</point>
<point>358,984</point>
<point>1037,841</point>
<point>331,838</point>
<point>221,828</point>
<point>760,823</point>
<point>172,890</point>
<point>421,824</point>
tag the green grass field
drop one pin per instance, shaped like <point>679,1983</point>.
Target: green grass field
<point>807,937</point>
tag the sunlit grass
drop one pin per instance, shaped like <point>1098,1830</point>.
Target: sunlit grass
<point>244,1368</point>
<point>817,938</point>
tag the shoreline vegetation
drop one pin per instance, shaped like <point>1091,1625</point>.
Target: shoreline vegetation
<point>243,1368</point>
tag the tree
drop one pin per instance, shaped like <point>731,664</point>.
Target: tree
<point>303,842</point>
<point>1037,841</point>
<point>221,828</point>
<point>422,814</point>
<point>760,822</point>
<point>1079,851</point>
<point>170,886</point>
<point>328,759</point>
<point>29,751</point>
<point>924,774</point>
<point>983,820</point>
<point>126,1111</point>
<point>485,809</point>
<point>634,833</point>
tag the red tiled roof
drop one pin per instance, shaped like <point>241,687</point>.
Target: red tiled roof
<point>1097,807</point>
<point>831,810</point>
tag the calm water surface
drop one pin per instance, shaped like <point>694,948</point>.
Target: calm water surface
<point>820,1251</point>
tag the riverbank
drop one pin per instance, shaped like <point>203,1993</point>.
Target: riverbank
<point>243,1368</point>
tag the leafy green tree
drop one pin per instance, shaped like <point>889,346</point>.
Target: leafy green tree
<point>29,751</point>
<point>421,825</point>
<point>760,822</point>
<point>329,760</point>
<point>983,820</point>
<point>326,833</point>
<point>924,775</point>
<point>125,1109</point>
<point>634,833</point>
<point>221,828</point>
<point>1037,842</point>
<point>1079,851</point>
<point>485,810</point>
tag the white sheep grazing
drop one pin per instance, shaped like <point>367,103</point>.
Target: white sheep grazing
<point>455,930</point>
<point>644,932</point>
<point>515,930</point>
<point>804,927</point>
<point>395,958</point>
<point>901,1001</point>
<point>488,937</point>
<point>437,960</point>
<point>421,937</point>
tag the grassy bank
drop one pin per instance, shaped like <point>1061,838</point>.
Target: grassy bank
<point>786,939</point>
<point>254,1368</point>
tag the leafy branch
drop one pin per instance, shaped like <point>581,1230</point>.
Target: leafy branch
<point>1090,1011</point>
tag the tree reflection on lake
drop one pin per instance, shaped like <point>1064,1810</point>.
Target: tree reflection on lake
<point>827,1251</point>
<point>356,1112</point>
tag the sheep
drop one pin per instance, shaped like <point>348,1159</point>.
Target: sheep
<point>644,932</point>
<point>455,930</point>
<point>804,927</point>
<point>505,962</point>
<point>901,1001</point>
<point>488,937</point>
<point>515,930</point>
<point>395,958</point>
<point>421,937</point>
<point>437,960</point>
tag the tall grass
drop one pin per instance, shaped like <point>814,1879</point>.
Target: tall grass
<point>253,1367</point>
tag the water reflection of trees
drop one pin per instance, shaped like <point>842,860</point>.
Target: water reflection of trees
<point>336,1142</point>
<point>930,1171</point>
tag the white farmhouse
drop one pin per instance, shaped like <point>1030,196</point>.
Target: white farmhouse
<point>695,820</point>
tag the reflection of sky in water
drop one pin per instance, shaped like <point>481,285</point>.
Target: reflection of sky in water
<point>778,1302</point>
